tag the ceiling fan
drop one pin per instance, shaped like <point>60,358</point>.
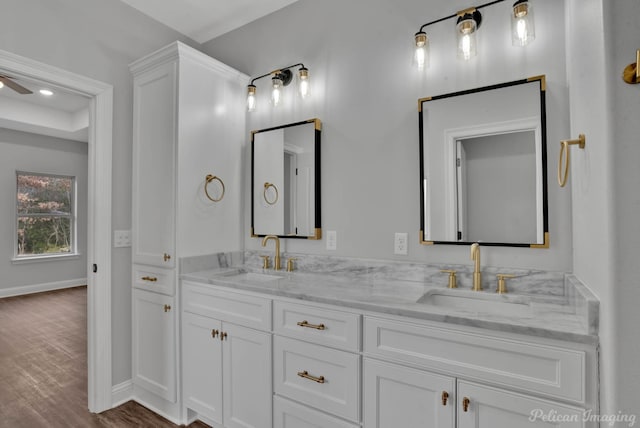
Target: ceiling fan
<point>6,80</point>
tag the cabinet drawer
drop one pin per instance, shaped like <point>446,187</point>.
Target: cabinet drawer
<point>321,377</point>
<point>559,372</point>
<point>319,325</point>
<point>151,278</point>
<point>287,414</point>
<point>242,309</point>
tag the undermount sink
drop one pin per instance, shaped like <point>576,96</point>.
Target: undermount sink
<point>244,275</point>
<point>478,301</point>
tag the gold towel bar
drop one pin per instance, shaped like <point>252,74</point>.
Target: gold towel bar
<point>564,152</point>
<point>208,179</point>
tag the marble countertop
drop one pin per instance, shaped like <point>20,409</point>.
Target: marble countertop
<point>562,318</point>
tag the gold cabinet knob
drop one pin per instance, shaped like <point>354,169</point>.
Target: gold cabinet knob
<point>502,283</point>
<point>465,404</point>
<point>452,278</point>
<point>214,333</point>
<point>167,308</point>
<point>223,335</point>
<point>445,397</point>
<point>166,257</point>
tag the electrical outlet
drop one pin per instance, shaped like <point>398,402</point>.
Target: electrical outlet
<point>400,244</point>
<point>332,240</point>
<point>121,238</point>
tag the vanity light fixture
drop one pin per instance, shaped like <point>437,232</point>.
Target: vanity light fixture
<point>467,24</point>
<point>279,79</point>
<point>522,26</point>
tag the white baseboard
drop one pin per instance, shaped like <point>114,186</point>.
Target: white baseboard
<point>121,393</point>
<point>38,288</point>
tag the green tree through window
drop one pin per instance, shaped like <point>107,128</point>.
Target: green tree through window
<point>45,214</point>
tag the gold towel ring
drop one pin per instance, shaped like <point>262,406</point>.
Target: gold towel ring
<point>264,193</point>
<point>208,179</point>
<point>564,152</point>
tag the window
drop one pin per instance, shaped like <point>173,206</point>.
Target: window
<point>45,215</point>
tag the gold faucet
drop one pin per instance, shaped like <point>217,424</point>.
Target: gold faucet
<point>276,261</point>
<point>477,276</point>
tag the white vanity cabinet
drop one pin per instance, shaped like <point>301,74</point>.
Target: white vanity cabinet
<point>188,122</point>
<point>226,357</point>
<point>489,381</point>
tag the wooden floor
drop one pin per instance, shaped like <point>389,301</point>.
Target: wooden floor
<point>43,366</point>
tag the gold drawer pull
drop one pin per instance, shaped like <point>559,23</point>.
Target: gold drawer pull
<point>305,374</point>
<point>149,278</point>
<point>167,308</point>
<point>306,324</point>
<point>445,397</point>
<point>465,404</point>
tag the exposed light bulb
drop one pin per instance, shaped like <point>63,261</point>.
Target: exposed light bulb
<point>303,84</point>
<point>466,29</point>
<point>522,23</point>
<point>421,53</point>
<point>276,92</point>
<point>251,98</point>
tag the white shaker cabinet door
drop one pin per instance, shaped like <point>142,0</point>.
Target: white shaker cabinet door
<point>154,343</point>
<point>397,396</point>
<point>246,355</point>
<point>485,407</point>
<point>154,159</point>
<point>202,365</point>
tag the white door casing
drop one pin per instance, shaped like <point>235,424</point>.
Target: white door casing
<point>99,214</point>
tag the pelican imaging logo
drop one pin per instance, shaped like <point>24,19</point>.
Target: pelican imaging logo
<point>554,416</point>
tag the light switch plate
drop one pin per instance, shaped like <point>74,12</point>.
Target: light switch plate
<point>332,240</point>
<point>121,238</point>
<point>400,243</point>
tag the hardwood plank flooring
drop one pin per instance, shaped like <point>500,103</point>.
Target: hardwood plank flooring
<point>43,366</point>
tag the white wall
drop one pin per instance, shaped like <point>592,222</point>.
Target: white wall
<point>365,91</point>
<point>621,18</point>
<point>98,39</point>
<point>21,151</point>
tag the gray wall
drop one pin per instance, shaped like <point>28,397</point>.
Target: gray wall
<point>365,91</point>
<point>98,39</point>
<point>21,151</point>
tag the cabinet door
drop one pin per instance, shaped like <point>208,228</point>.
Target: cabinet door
<point>154,343</point>
<point>494,408</point>
<point>398,396</point>
<point>202,365</point>
<point>154,134</point>
<point>246,356</point>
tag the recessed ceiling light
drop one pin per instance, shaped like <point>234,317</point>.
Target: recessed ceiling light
<point>46,92</point>
<point>1,85</point>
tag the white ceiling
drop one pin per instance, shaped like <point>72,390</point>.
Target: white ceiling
<point>203,20</point>
<point>62,115</point>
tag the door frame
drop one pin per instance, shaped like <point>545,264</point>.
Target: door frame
<point>100,143</point>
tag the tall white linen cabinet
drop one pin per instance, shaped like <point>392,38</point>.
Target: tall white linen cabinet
<point>188,123</point>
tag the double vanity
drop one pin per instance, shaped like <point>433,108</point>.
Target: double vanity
<point>350,346</point>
